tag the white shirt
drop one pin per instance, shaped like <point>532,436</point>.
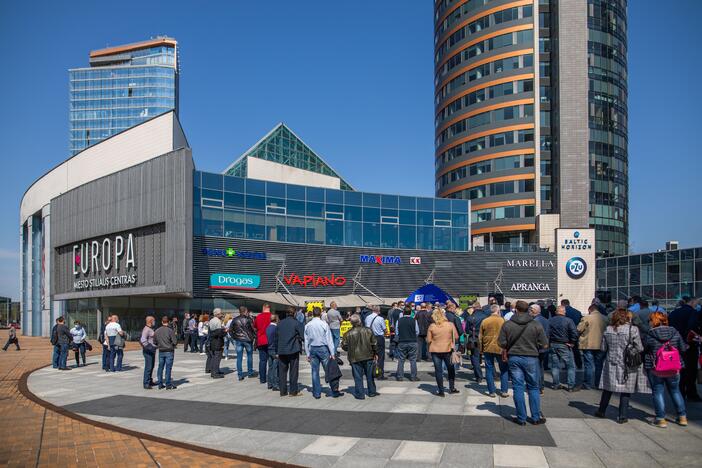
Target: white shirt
<point>317,333</point>
<point>376,323</point>
<point>112,329</point>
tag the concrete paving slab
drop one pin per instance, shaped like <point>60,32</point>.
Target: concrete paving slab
<point>421,452</point>
<point>558,457</point>
<point>462,455</point>
<point>626,459</point>
<point>519,456</point>
<point>330,445</point>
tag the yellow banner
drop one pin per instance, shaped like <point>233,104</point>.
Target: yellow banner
<point>312,305</point>
<point>345,326</point>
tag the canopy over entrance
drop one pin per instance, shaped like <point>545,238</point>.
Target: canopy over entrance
<point>348,300</point>
<point>430,293</point>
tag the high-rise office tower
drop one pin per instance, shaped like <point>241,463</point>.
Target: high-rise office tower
<point>531,117</point>
<point>122,87</point>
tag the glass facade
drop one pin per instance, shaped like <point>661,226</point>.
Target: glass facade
<point>121,90</point>
<point>607,74</point>
<point>231,206</point>
<point>666,276</point>
<point>484,97</point>
<point>282,146</point>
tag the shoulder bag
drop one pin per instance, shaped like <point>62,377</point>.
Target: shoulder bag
<point>455,355</point>
<point>505,355</point>
<point>632,357</point>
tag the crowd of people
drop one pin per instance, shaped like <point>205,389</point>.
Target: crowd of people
<point>631,348</point>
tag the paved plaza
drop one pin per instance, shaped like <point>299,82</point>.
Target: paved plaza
<point>405,426</point>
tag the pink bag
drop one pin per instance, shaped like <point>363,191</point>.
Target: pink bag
<point>667,360</point>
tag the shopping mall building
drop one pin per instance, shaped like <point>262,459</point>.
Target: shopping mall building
<point>130,226</point>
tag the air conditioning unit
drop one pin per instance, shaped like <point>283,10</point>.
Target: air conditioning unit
<point>671,245</point>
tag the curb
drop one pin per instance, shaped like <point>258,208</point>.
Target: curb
<point>24,390</point>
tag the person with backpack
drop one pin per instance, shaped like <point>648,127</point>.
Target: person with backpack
<point>664,348</point>
<point>621,372</point>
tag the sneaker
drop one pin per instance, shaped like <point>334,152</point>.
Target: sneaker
<point>295,394</point>
<point>622,420</point>
<point>539,421</point>
<point>414,379</point>
<point>492,395</point>
<point>600,414</point>
<point>161,387</point>
<point>574,389</point>
<point>202,354</point>
<point>453,391</point>
<point>253,374</point>
<point>359,397</point>
<point>662,423</point>
<point>241,378</point>
<point>504,395</point>
<point>374,394</point>
<point>147,387</point>
<point>681,420</point>
<point>440,393</point>
<point>337,394</point>
<point>171,387</point>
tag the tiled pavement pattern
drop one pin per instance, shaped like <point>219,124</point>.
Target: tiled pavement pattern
<point>31,435</point>
<point>405,426</point>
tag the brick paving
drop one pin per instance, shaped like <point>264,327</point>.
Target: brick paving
<point>31,435</point>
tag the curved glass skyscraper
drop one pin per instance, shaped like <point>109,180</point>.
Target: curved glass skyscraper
<point>530,117</point>
<point>123,86</point>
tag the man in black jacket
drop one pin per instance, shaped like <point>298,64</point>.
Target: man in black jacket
<point>562,336</point>
<point>243,334</point>
<point>423,318</point>
<point>60,338</point>
<point>290,336</point>
<point>406,331</point>
<point>687,321</point>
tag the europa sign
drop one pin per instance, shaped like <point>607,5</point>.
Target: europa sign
<point>313,280</point>
<point>102,256</point>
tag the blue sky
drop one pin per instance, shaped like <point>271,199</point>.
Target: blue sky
<point>353,79</point>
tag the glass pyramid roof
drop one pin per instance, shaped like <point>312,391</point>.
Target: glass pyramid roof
<point>282,146</point>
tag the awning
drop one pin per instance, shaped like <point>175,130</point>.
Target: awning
<point>348,300</point>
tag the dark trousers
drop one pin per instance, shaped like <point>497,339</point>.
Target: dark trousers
<point>11,341</point>
<point>360,369</point>
<point>262,363</point>
<point>186,341</point>
<point>475,362</point>
<point>56,357</point>
<point>149,360</point>
<point>63,355</point>
<point>105,357</point>
<point>288,369</point>
<point>380,342</point>
<point>423,347</point>
<point>441,359</point>
<point>543,365</point>
<point>688,377</point>
<point>214,357</point>
<point>577,356</point>
<point>623,403</point>
<point>79,352</point>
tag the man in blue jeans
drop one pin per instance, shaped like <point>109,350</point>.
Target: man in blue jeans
<point>60,338</point>
<point>591,328</point>
<point>242,331</point>
<point>362,350</point>
<point>319,346</point>
<point>522,337</point>
<point>166,341</point>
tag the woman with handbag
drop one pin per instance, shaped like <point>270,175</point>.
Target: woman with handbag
<point>664,348</point>
<point>622,372</point>
<point>441,337</point>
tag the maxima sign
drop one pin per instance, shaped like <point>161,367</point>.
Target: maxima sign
<point>575,266</point>
<point>103,256</point>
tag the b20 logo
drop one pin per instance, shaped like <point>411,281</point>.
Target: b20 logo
<point>576,267</point>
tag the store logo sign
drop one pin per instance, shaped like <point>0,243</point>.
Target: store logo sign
<point>576,267</point>
<point>230,281</point>
<point>576,243</point>
<point>229,252</point>
<point>101,255</point>
<point>530,287</point>
<point>313,280</point>
<point>530,263</point>
<point>415,260</point>
<point>380,259</point>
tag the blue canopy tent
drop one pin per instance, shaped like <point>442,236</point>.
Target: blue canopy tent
<point>430,293</point>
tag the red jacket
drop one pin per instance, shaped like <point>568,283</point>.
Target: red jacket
<point>261,322</point>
